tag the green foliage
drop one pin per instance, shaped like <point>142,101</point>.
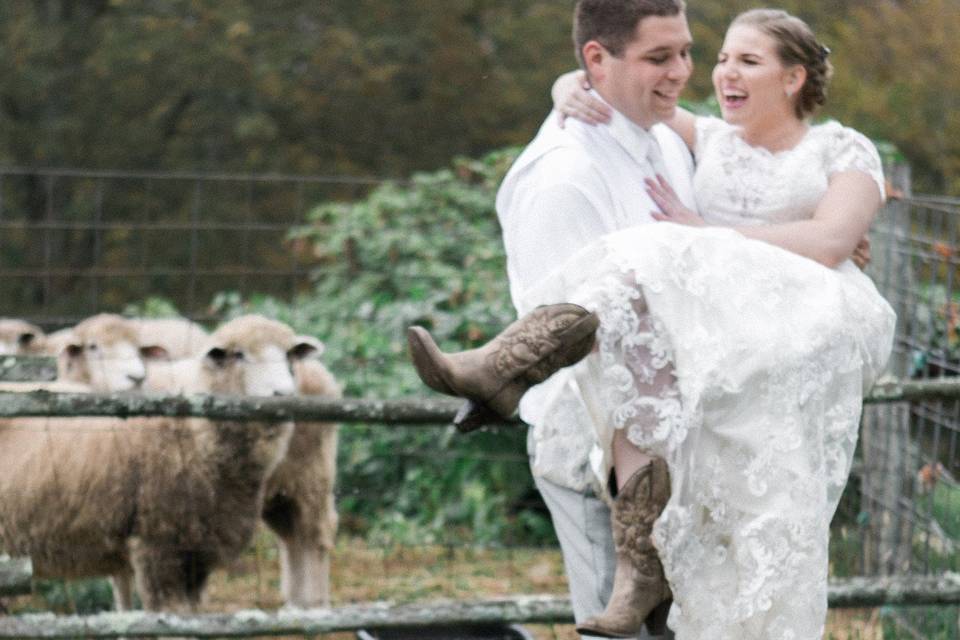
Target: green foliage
<point>935,319</point>
<point>946,508</point>
<point>370,86</point>
<point>425,252</point>
<point>152,307</point>
<point>82,597</point>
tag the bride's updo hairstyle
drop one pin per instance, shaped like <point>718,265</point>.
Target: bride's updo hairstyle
<point>796,44</point>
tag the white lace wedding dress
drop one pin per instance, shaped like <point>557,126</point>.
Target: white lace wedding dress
<point>745,366</point>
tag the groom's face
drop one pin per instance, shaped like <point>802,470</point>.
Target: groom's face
<point>644,82</point>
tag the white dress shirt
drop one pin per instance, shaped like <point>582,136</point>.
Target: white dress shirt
<point>569,187</point>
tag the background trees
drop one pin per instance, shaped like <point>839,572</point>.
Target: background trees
<point>381,87</point>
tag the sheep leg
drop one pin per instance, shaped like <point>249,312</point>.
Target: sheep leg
<point>305,574</point>
<point>122,584</point>
<point>168,579</point>
<point>305,529</point>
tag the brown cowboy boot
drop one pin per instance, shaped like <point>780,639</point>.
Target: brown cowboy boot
<point>495,376</point>
<point>640,591</point>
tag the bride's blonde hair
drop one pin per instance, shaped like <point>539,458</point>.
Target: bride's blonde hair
<point>796,44</point>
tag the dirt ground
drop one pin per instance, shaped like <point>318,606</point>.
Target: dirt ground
<point>404,574</point>
<point>361,573</point>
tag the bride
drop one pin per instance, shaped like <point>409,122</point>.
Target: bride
<point>735,345</point>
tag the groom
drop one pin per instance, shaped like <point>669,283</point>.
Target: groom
<point>566,189</point>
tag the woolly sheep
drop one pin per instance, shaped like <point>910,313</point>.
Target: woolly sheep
<point>157,500</point>
<point>20,338</point>
<point>56,342</point>
<point>179,337</point>
<point>105,352</point>
<point>299,504</point>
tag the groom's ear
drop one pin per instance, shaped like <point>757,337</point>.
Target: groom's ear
<point>594,55</point>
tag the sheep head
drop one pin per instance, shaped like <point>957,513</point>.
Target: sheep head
<point>105,354</point>
<point>253,355</point>
<point>18,337</point>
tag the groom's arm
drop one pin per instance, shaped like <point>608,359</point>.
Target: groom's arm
<point>557,207</point>
<point>551,225</point>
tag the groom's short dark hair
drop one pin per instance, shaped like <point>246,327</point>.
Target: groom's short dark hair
<point>612,23</point>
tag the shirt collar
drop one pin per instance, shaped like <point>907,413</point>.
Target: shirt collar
<point>634,139</point>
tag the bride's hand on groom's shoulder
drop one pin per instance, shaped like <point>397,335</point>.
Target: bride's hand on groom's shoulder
<point>672,208</point>
<point>861,255</point>
<point>571,98</point>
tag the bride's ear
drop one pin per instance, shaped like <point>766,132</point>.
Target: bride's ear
<point>594,55</point>
<point>794,80</point>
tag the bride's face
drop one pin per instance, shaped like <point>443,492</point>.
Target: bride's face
<point>751,83</point>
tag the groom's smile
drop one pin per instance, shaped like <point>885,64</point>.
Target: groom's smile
<point>644,82</point>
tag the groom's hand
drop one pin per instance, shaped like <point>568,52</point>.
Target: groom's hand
<point>861,255</point>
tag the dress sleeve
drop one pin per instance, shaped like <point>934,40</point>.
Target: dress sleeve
<point>850,150</point>
<point>706,128</point>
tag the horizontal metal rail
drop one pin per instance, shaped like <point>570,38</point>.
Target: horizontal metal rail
<point>533,609</point>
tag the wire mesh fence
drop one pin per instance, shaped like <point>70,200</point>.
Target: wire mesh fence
<point>81,242</point>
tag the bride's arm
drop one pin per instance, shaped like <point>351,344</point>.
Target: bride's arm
<point>571,98</point>
<point>838,225</point>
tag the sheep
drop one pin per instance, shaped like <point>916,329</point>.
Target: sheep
<point>299,504</point>
<point>56,342</point>
<point>20,338</point>
<point>160,502</point>
<point>101,354</point>
<point>105,352</point>
<point>179,337</point>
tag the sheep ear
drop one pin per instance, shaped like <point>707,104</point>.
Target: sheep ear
<point>217,357</point>
<point>154,352</point>
<point>303,350</point>
<point>306,346</point>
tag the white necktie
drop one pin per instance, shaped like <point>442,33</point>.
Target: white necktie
<point>655,157</point>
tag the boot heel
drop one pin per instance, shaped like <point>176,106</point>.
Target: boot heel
<point>657,620</point>
<point>473,415</point>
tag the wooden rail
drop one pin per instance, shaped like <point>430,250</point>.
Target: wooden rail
<point>27,369</point>
<point>15,576</point>
<point>856,592</point>
<point>404,411</point>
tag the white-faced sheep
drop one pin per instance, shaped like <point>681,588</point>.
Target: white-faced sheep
<point>179,337</point>
<point>57,341</point>
<point>162,500</point>
<point>299,503</point>
<point>20,338</point>
<point>105,352</point>
<point>101,354</point>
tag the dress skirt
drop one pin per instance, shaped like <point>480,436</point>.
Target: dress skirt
<point>745,367</point>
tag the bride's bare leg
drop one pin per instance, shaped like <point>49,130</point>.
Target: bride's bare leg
<point>640,594</point>
<point>627,458</point>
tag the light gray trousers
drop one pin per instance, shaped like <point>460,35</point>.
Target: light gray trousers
<point>582,523</point>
